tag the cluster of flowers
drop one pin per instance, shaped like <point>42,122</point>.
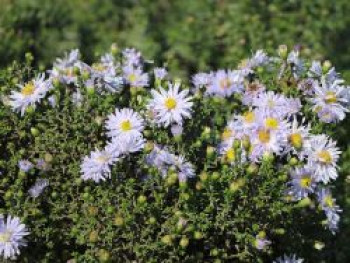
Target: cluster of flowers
<point>273,124</point>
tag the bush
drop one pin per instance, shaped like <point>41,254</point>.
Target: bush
<point>111,162</point>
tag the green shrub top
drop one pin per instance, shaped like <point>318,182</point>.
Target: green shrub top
<point>117,161</point>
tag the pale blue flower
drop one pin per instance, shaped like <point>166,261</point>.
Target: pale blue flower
<point>302,183</point>
<point>25,165</point>
<point>38,187</point>
<point>160,73</point>
<point>12,233</point>
<point>30,94</point>
<point>135,77</point>
<point>288,259</point>
<point>96,167</point>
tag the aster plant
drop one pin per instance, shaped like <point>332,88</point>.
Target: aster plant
<point>116,161</point>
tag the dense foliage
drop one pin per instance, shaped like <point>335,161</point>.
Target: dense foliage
<point>111,162</point>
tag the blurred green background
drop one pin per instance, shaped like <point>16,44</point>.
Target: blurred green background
<point>188,36</point>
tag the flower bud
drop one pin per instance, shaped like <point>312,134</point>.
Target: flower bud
<point>34,131</point>
<point>326,66</point>
<point>283,51</point>
<point>48,157</point>
<point>90,90</point>
<point>167,239</point>
<point>142,199</point>
<point>184,242</point>
<point>103,255</point>
<point>118,220</point>
<point>203,176</point>
<point>93,236</point>
<point>252,169</point>
<point>199,186</point>
<point>215,176</point>
<point>197,235</point>
<point>210,151</point>
<point>152,220</point>
<point>319,245</point>
<point>293,161</point>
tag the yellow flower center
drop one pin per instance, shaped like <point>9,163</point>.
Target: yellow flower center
<point>305,182</point>
<point>126,126</point>
<point>271,123</point>
<point>230,155</point>
<point>102,159</point>
<point>98,67</point>
<point>264,136</point>
<point>329,201</point>
<point>226,134</point>
<point>296,140</point>
<point>325,157</point>
<point>28,89</point>
<point>331,97</point>
<point>69,72</point>
<point>132,77</point>
<point>170,103</point>
<point>225,83</point>
<point>5,237</point>
<point>249,117</point>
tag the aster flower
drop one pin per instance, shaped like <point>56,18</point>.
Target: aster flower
<point>307,86</point>
<point>108,59</point>
<point>261,242</point>
<point>38,187</point>
<point>271,104</point>
<point>69,60</point>
<point>63,68</point>
<point>225,83</point>
<point>160,158</point>
<point>316,71</point>
<point>135,77</point>
<point>131,57</point>
<point>293,106</point>
<point>103,77</point>
<point>296,63</point>
<point>202,79</point>
<point>176,129</point>
<point>229,153</point>
<point>266,141</point>
<point>302,183</point>
<point>52,101</point>
<point>30,94</point>
<point>77,98</point>
<point>298,139</point>
<point>244,124</point>
<point>96,167</point>
<point>170,106</point>
<point>323,157</point>
<point>12,234</point>
<point>329,101</point>
<point>41,164</point>
<point>328,205</point>
<point>260,58</point>
<point>160,73</point>
<point>124,145</point>
<point>232,130</point>
<point>252,90</point>
<point>124,122</point>
<point>25,165</point>
<point>288,259</point>
<point>183,168</point>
